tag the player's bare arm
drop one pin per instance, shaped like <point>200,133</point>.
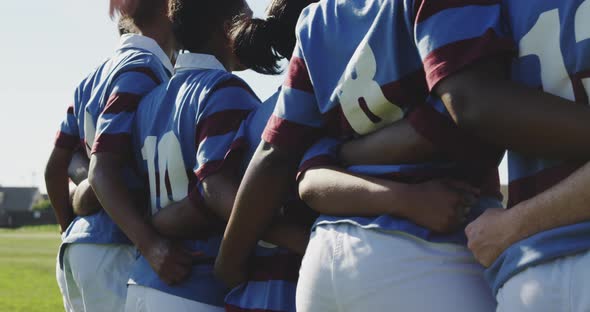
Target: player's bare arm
<point>84,201</point>
<point>398,143</point>
<point>220,191</point>
<point>438,205</point>
<point>184,220</point>
<point>57,181</point>
<point>484,102</point>
<point>169,260</point>
<point>564,204</point>
<point>263,189</point>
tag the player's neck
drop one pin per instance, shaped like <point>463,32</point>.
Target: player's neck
<point>219,47</point>
<point>162,34</point>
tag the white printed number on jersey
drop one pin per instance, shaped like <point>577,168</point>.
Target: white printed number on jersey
<point>543,40</point>
<point>365,106</point>
<point>170,162</point>
<point>89,132</point>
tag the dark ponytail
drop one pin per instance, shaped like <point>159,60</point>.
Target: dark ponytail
<point>260,43</point>
<point>254,41</point>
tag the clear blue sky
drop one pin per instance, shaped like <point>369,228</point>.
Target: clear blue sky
<point>48,47</point>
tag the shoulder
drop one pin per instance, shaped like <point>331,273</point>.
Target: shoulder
<point>310,15</point>
<point>137,61</point>
<point>230,82</point>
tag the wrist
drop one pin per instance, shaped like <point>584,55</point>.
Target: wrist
<point>403,199</point>
<point>516,223</point>
<point>146,240</point>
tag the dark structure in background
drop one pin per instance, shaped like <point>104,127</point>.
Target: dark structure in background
<point>16,207</point>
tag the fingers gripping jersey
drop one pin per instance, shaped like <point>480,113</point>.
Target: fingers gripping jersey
<point>186,131</point>
<point>553,54</point>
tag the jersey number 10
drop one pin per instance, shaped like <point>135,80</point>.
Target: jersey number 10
<point>171,164</point>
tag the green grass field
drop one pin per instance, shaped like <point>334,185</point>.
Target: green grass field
<point>27,270</point>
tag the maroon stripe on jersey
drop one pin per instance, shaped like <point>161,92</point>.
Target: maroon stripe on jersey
<point>525,188</point>
<point>579,89</point>
<point>146,71</point>
<point>317,161</point>
<point>336,123</point>
<point>460,146</point>
<point>122,102</point>
<point>71,110</point>
<point>66,141</point>
<point>430,8</point>
<point>449,59</point>
<point>220,123</point>
<point>231,157</point>
<point>118,143</point>
<point>298,76</point>
<point>284,267</point>
<point>407,92</point>
<point>289,135</point>
<point>234,82</point>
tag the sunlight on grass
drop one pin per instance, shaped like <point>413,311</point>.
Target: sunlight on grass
<point>27,269</point>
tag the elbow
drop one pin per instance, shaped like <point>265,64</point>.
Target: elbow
<point>307,191</point>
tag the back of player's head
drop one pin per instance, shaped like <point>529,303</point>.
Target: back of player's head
<point>125,26</point>
<point>141,13</point>
<point>261,43</point>
<point>196,22</point>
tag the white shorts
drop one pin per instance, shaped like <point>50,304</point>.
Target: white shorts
<point>61,283</point>
<point>562,285</point>
<point>348,268</point>
<point>96,276</point>
<point>144,299</point>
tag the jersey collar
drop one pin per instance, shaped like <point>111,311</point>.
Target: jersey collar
<point>145,43</point>
<point>187,61</point>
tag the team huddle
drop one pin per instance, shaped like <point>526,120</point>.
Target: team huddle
<point>367,182</point>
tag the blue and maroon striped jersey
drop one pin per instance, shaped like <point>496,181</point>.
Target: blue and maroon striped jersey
<point>550,41</point>
<point>186,131</point>
<point>274,271</point>
<point>355,70</point>
<point>111,92</point>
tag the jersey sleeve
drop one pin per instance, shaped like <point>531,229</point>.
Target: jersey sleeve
<point>68,136</point>
<point>220,126</point>
<point>115,122</point>
<point>296,121</point>
<point>451,35</point>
